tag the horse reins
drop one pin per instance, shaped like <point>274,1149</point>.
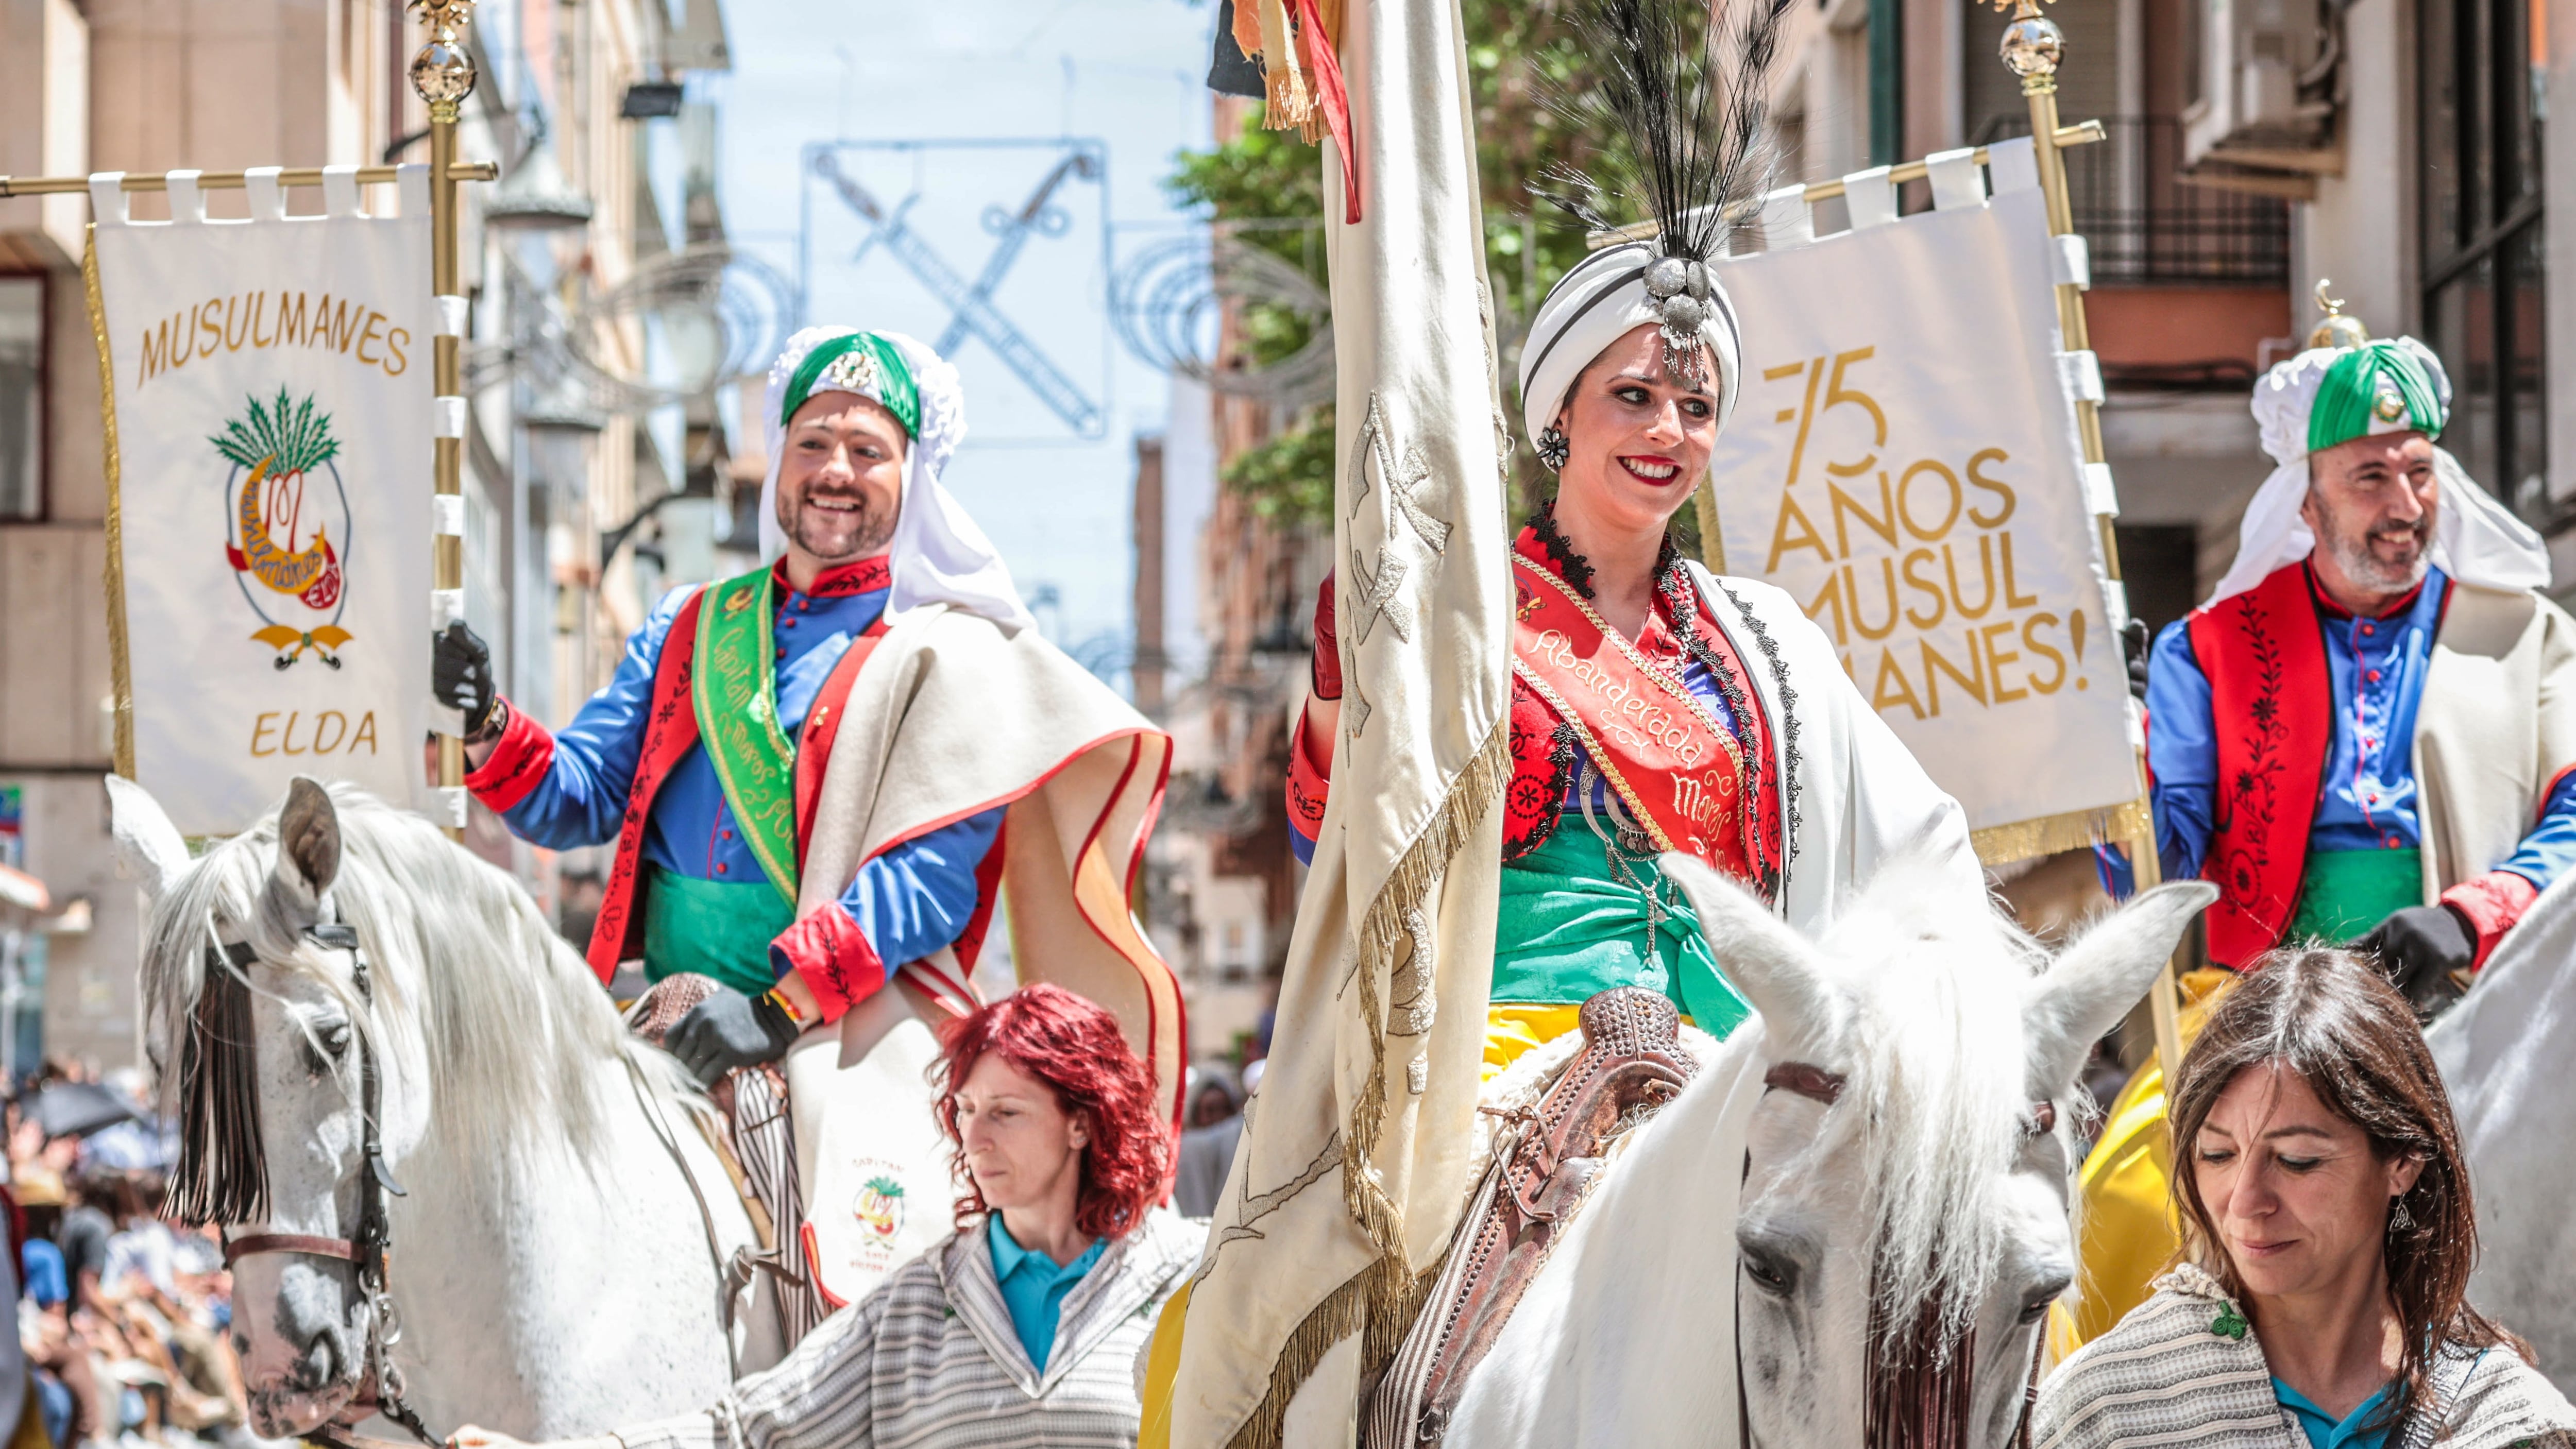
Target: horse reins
<point>1818,1085</point>
<point>371,1249</point>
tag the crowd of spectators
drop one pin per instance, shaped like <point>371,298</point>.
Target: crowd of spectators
<point>124,1318</point>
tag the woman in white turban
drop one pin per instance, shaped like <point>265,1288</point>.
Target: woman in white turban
<point>1655,706</point>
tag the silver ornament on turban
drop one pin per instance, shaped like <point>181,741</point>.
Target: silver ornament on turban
<point>1694,160</point>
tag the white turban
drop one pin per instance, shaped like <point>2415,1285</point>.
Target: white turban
<point>938,555</point>
<point>1596,304</point>
<point>2475,539</point>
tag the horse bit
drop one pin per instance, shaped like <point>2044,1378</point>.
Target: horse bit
<point>371,1250</point>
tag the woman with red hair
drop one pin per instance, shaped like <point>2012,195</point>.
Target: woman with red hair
<point>1023,1327</point>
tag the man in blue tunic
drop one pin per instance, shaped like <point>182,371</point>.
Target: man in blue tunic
<point>2369,730</point>
<point>718,761</point>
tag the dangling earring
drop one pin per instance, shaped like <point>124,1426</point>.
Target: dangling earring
<point>2401,1221</point>
<point>1553,447</point>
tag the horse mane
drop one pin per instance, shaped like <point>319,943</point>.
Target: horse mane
<point>1937,1071</point>
<point>468,980</point>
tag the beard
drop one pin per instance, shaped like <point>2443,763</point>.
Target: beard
<point>2349,542</point>
<point>836,535</point>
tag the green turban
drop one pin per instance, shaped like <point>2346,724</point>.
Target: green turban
<point>862,363</point>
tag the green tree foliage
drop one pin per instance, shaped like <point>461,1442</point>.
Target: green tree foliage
<point>1289,479</point>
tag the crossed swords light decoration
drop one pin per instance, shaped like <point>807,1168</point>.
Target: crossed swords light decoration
<point>970,304</point>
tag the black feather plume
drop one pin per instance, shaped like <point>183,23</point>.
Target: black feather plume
<point>1696,151</point>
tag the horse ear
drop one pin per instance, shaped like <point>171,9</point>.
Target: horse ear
<point>2094,982</point>
<point>1774,967</point>
<point>308,847</point>
<point>148,846</point>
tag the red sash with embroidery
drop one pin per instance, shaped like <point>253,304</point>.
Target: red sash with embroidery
<point>670,729</point>
<point>2271,710</point>
<point>1676,769</point>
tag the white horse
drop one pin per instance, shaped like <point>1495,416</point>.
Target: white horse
<point>553,1270</point>
<point>1848,1229</point>
<point>2503,1054</point>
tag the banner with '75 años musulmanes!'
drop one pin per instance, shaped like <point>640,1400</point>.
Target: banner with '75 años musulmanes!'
<point>1905,462</point>
<point>269,423</point>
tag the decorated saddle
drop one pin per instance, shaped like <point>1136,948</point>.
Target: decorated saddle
<point>1545,1162</point>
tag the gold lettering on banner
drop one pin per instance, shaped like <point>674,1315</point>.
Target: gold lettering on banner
<point>331,733</point>
<point>240,321</point>
<point>1908,562</point>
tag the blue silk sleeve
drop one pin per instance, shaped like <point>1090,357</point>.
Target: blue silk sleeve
<point>2550,848</point>
<point>582,799</point>
<point>917,897</point>
<point>2182,753</point>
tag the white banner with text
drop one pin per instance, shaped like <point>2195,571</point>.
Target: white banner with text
<point>1904,461</point>
<point>270,456</point>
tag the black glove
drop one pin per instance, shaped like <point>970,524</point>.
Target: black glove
<point>460,676</point>
<point>729,1030</point>
<point>2425,951</point>
<point>2133,647</point>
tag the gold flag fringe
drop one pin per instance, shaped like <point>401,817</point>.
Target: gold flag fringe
<point>1379,1301</point>
<point>2076,830</point>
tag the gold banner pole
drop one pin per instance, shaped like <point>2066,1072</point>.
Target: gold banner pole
<point>2032,47</point>
<point>443,76</point>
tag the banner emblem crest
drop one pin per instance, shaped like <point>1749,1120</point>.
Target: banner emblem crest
<point>284,504</point>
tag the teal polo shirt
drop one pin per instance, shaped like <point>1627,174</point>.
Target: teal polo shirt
<point>1033,1287</point>
<point>2323,1431</point>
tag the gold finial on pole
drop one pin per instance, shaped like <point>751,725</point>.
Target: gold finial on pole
<point>2032,48</point>
<point>442,75</point>
<point>2336,328</point>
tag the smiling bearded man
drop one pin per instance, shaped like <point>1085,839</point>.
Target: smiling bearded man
<point>2367,735</point>
<point>822,773</point>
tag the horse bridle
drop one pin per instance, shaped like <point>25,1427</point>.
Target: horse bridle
<point>1818,1085</point>
<point>370,1249</point>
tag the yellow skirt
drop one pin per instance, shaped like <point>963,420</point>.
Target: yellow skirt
<point>1511,1028</point>
<point>2130,1233</point>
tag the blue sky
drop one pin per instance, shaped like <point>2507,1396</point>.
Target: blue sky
<point>1125,73</point>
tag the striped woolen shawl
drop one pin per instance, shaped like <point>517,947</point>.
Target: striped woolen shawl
<point>930,1361</point>
<point>2161,1377</point>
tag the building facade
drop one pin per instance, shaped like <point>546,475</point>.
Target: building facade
<point>146,86</point>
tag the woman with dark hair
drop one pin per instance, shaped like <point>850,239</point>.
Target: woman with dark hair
<point>1023,1327</point>
<point>2330,1234</point>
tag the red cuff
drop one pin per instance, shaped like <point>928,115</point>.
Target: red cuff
<point>1308,784</point>
<point>828,949</point>
<point>2492,902</point>
<point>517,765</point>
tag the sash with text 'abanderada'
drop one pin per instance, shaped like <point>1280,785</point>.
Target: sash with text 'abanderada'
<point>1678,772</point>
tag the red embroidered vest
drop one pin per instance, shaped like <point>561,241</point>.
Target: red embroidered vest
<point>2272,714</point>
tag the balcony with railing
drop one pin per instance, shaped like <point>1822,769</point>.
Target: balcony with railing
<point>2189,282</point>
<point>2148,226</point>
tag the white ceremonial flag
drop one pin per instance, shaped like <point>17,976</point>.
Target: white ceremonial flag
<point>1905,463</point>
<point>1354,1163</point>
<point>269,437</point>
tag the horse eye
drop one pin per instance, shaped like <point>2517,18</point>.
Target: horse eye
<point>1773,1275</point>
<point>2034,1304</point>
<point>335,1039</point>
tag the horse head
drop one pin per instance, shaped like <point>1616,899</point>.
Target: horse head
<point>261,1026</point>
<point>1903,1225</point>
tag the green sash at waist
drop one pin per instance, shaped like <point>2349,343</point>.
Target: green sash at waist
<point>1568,930</point>
<point>712,928</point>
<point>2349,891</point>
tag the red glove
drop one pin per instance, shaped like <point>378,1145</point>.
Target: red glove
<point>1325,675</point>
